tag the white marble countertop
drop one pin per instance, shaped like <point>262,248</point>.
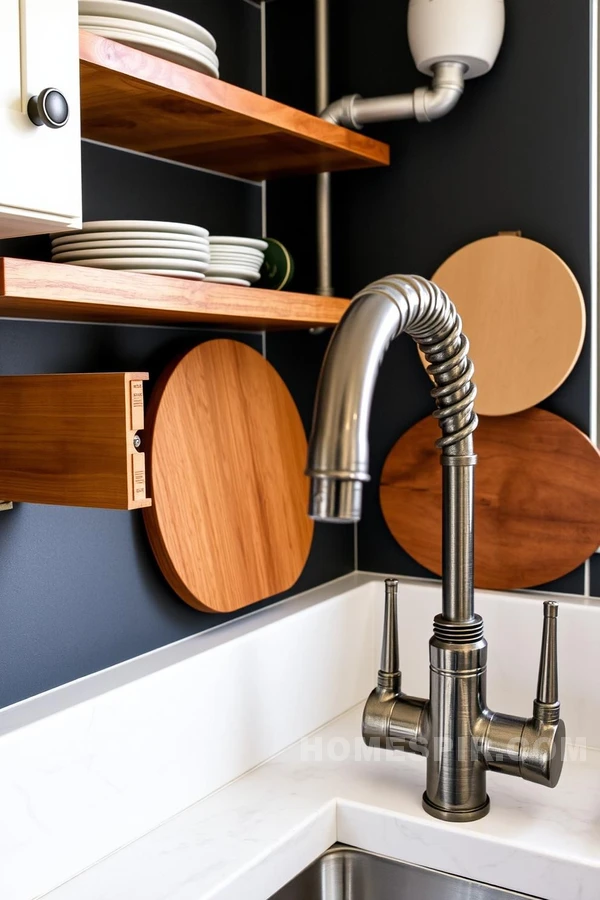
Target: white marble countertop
<point>254,835</point>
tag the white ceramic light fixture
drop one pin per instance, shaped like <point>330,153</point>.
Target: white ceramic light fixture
<point>464,31</point>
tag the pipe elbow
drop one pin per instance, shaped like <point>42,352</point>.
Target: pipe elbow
<point>431,104</point>
<point>443,95</point>
<point>342,112</point>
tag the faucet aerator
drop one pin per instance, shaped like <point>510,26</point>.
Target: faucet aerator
<point>335,500</point>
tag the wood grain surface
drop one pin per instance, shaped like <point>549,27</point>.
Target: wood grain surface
<point>68,439</point>
<point>523,312</point>
<point>537,498</point>
<point>229,523</point>
<point>30,289</point>
<point>134,100</point>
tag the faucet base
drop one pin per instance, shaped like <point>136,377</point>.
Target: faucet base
<point>456,815</point>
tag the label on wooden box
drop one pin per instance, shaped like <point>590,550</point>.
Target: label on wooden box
<point>138,481</point>
<point>137,405</point>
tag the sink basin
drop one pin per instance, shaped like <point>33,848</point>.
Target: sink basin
<point>343,873</point>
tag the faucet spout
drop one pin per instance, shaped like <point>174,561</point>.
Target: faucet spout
<point>338,455</point>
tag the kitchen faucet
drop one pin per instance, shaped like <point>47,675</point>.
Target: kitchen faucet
<point>454,729</point>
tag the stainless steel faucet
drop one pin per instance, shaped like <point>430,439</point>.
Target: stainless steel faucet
<point>461,738</point>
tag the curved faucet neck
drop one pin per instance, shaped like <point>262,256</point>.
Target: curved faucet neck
<point>338,457</point>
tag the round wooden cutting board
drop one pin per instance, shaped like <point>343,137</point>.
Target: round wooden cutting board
<point>537,498</point>
<point>229,523</point>
<point>524,315</point>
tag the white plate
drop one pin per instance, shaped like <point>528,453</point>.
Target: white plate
<point>197,276</point>
<point>123,237</point>
<point>238,241</point>
<point>172,51</point>
<point>184,52</point>
<point>236,261</point>
<point>117,252</point>
<point>136,262</point>
<point>241,282</point>
<point>248,252</point>
<point>148,15</point>
<point>137,225</point>
<point>117,244</point>
<point>231,268</point>
<point>106,22</point>
<point>232,272</point>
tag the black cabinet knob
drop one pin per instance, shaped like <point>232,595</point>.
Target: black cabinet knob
<point>49,108</point>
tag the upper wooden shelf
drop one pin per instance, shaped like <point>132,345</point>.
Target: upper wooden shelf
<point>133,100</point>
<point>30,289</point>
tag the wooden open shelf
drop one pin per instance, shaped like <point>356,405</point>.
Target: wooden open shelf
<point>30,289</point>
<point>136,101</point>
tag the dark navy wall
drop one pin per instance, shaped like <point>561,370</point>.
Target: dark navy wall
<point>79,588</point>
<point>513,155</point>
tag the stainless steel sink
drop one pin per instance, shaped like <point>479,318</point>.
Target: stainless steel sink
<point>343,873</point>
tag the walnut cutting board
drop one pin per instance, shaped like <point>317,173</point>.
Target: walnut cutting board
<point>227,452</point>
<point>537,498</point>
<point>523,312</point>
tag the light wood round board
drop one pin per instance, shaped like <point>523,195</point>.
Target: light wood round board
<point>229,523</point>
<point>524,315</point>
<point>537,498</point>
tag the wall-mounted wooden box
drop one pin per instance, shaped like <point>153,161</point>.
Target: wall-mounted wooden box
<point>69,439</point>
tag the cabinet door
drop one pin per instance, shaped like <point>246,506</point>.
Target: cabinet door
<point>40,167</point>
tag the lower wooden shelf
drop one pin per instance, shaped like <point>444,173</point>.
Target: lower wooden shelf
<point>30,289</point>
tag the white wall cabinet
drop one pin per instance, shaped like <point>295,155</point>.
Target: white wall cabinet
<point>40,165</point>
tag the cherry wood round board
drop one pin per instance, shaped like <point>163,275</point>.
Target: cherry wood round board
<point>524,315</point>
<point>537,498</point>
<point>227,451</point>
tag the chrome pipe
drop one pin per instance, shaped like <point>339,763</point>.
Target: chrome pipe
<point>324,277</point>
<point>424,104</point>
<point>322,54</point>
<point>324,285</point>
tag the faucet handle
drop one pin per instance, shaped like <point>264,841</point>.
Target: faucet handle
<point>546,706</point>
<point>543,739</point>
<point>389,676</point>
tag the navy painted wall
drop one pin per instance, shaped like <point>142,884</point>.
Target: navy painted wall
<point>513,155</point>
<point>79,588</point>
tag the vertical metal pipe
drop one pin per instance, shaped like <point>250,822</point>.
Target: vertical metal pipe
<point>457,540</point>
<point>324,286</point>
<point>322,54</point>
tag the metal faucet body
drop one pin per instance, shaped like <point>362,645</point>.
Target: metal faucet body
<point>460,737</point>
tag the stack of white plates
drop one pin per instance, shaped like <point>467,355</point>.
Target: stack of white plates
<point>154,248</point>
<point>235,260</point>
<point>156,31</point>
